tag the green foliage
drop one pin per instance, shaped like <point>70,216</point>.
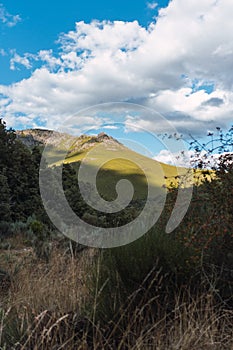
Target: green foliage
<point>18,178</point>
<point>207,227</point>
<point>137,259</point>
<point>198,254</point>
<point>15,326</point>
<point>154,265</point>
<point>41,243</point>
<point>19,228</point>
<point>4,198</point>
<point>38,229</point>
<point>5,229</point>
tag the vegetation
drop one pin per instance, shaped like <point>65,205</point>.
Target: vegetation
<point>163,291</point>
<point>18,177</point>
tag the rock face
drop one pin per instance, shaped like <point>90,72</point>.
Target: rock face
<point>40,137</point>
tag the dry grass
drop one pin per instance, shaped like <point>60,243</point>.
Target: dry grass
<point>58,286</point>
<point>49,307</point>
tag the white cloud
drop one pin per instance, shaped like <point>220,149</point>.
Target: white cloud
<point>19,60</point>
<point>4,102</point>
<point>123,61</point>
<point>196,104</point>
<point>152,5</point>
<point>7,18</point>
<point>47,57</point>
<point>103,36</point>
<point>190,158</point>
<point>182,159</point>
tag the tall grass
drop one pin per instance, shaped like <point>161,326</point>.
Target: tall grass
<point>55,306</point>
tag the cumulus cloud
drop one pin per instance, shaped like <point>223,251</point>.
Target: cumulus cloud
<point>98,37</point>
<point>182,159</point>
<point>165,66</point>
<point>19,60</point>
<point>7,18</point>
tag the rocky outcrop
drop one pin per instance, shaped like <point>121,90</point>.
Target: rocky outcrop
<point>40,137</point>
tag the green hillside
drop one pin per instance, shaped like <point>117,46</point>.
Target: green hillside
<point>116,162</point>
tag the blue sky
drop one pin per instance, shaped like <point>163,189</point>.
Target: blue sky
<point>172,57</point>
<point>41,23</point>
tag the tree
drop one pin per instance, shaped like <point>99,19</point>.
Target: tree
<point>19,170</point>
<point>4,199</point>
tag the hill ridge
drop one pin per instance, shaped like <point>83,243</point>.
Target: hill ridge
<point>40,137</point>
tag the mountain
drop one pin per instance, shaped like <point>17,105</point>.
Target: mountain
<point>39,137</point>
<point>103,152</point>
<point>42,137</point>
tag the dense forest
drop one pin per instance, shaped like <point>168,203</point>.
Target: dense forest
<point>19,169</point>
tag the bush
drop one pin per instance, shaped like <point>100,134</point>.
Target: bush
<point>19,228</point>
<point>5,229</point>
<point>156,264</point>
<point>41,243</point>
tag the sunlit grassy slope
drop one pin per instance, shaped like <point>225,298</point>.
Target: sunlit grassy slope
<point>116,162</point>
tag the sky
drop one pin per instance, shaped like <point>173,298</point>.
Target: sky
<point>167,65</point>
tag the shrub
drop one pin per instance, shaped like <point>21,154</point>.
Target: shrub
<point>5,229</point>
<point>19,228</point>
<point>156,264</point>
<point>41,243</point>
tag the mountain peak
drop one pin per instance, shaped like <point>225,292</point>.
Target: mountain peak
<point>40,137</point>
